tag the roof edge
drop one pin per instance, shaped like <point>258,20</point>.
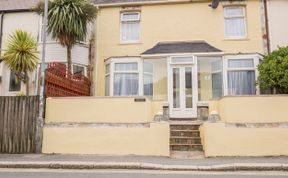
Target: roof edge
<point>148,3</point>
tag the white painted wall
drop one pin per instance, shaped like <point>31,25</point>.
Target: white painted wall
<point>278,26</point>
<point>31,23</point>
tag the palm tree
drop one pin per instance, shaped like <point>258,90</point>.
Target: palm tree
<point>67,22</point>
<point>21,55</point>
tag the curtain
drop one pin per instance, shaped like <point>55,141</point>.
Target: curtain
<point>126,84</point>
<point>234,27</point>
<point>130,31</point>
<point>241,83</point>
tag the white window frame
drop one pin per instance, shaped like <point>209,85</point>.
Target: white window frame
<point>226,69</point>
<point>79,65</point>
<point>235,17</point>
<point>127,21</point>
<point>113,61</point>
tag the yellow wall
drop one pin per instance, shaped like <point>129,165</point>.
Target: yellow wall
<point>173,22</point>
<point>251,109</point>
<point>99,110</point>
<point>153,140</point>
<point>219,140</point>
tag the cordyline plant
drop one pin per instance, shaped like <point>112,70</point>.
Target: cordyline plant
<point>67,21</point>
<point>273,72</point>
<point>21,55</point>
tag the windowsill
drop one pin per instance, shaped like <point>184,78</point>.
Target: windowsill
<point>236,39</point>
<point>129,42</point>
<point>57,42</point>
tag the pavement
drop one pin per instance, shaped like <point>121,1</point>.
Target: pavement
<point>58,161</point>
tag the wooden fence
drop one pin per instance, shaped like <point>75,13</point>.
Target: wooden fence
<point>18,118</point>
<point>59,82</point>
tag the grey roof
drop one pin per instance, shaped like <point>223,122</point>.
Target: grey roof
<point>17,5</point>
<point>120,1</point>
<point>182,47</point>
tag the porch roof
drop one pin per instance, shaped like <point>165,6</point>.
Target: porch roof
<point>182,47</point>
<point>17,5</point>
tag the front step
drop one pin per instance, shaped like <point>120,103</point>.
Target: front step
<point>185,137</point>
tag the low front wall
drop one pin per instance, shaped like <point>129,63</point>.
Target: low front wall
<point>219,140</point>
<point>252,109</point>
<point>134,140</point>
<point>99,110</point>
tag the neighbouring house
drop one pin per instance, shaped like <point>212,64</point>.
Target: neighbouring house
<point>277,28</point>
<point>17,14</point>
<point>183,53</point>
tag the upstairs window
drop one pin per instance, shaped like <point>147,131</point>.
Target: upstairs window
<point>130,27</point>
<point>235,26</point>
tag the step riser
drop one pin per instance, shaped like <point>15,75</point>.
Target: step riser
<point>185,137</point>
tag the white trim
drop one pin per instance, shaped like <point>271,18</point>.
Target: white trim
<point>182,54</point>
<point>130,21</point>
<point>235,17</point>
<point>139,71</point>
<point>183,112</point>
<point>79,65</point>
<point>255,57</point>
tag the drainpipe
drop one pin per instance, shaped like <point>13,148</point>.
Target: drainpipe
<point>267,26</point>
<point>1,30</point>
<point>96,42</point>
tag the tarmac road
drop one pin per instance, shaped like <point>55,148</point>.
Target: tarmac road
<point>44,173</point>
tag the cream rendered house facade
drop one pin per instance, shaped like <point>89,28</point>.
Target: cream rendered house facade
<point>276,15</point>
<point>178,53</point>
<point>17,14</point>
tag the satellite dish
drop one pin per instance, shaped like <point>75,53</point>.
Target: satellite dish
<point>214,4</point>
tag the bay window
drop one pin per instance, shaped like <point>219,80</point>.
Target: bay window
<point>122,77</point>
<point>130,27</point>
<point>234,21</point>
<point>241,76</point>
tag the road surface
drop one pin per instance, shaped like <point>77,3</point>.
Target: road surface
<point>42,173</point>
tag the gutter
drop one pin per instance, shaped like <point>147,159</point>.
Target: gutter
<point>150,2</point>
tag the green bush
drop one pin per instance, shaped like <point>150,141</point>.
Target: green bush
<point>273,72</point>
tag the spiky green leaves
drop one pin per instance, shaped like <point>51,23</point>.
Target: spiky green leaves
<point>21,52</point>
<point>68,19</point>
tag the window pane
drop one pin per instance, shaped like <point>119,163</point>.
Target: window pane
<point>107,85</point>
<point>78,70</point>
<point>155,70</point>
<point>107,69</point>
<point>188,87</point>
<point>14,84</point>
<point>241,83</point>
<point>217,85</point>
<point>148,67</point>
<point>240,63</point>
<point>130,31</point>
<point>126,84</point>
<point>130,17</point>
<point>235,27</point>
<point>216,65</point>
<point>179,60</point>
<point>210,78</point>
<point>148,85</point>
<point>133,66</point>
<point>233,11</point>
<point>176,88</point>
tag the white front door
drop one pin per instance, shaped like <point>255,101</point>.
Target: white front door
<point>183,91</point>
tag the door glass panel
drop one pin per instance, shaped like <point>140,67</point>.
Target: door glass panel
<point>176,88</point>
<point>188,87</point>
